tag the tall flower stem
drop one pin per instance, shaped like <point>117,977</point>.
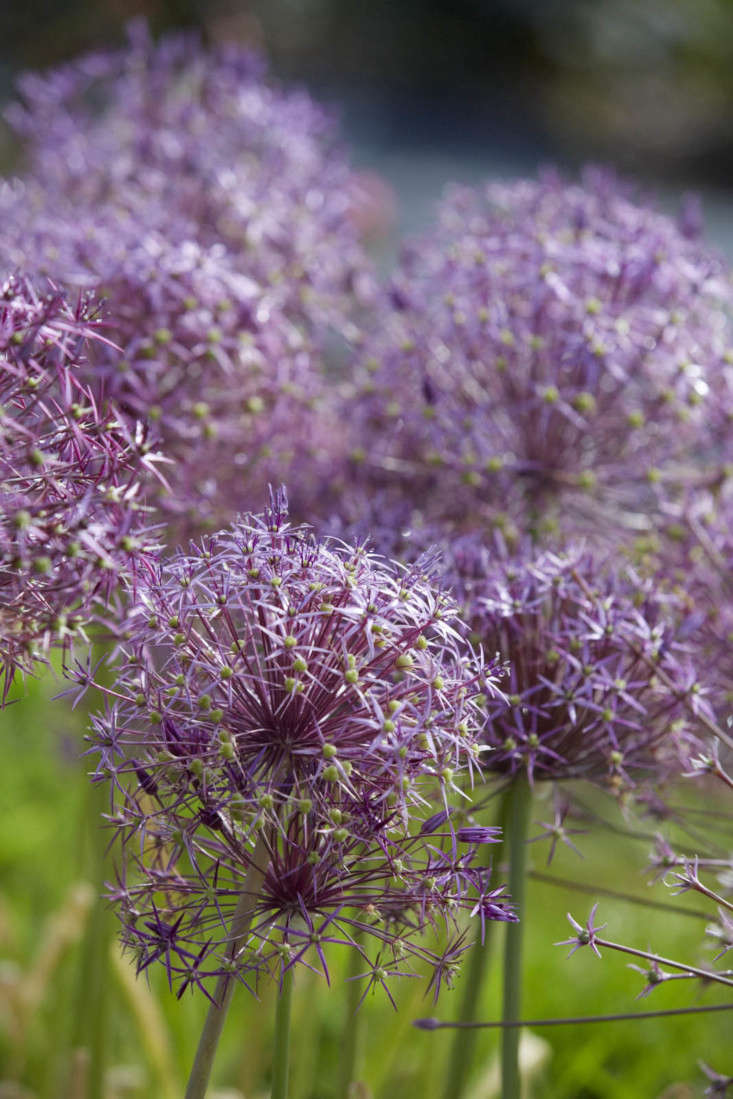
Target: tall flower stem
<point>351,1037</point>
<point>518,801</point>
<point>464,1041</point>
<point>281,1053</point>
<point>209,1040</point>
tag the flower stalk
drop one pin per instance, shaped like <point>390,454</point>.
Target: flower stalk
<point>518,801</point>
<point>216,1015</point>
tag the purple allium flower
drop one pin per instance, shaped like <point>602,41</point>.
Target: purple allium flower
<point>207,137</point>
<point>598,686</point>
<point>71,520</point>
<point>311,695</point>
<point>550,352</point>
<point>230,384</point>
<point>212,214</point>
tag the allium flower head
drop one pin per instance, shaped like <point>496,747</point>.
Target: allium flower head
<point>552,347</point>
<point>230,385</point>
<point>203,136</point>
<point>210,211</point>
<point>71,520</point>
<point>308,694</point>
<point>598,687</point>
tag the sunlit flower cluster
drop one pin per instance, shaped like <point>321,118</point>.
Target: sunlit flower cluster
<point>175,133</point>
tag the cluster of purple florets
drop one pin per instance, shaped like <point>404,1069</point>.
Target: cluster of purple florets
<point>213,215</point>
<point>306,695</point>
<point>555,361</point>
<point>599,684</point>
<point>554,355</point>
<point>695,556</point>
<point>72,519</point>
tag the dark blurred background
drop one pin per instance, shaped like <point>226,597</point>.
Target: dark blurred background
<point>434,90</point>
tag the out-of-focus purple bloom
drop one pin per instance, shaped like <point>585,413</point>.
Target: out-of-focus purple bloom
<point>586,650</point>
<point>721,931</point>
<point>557,832</point>
<point>554,352</point>
<point>307,693</point>
<point>71,520</point>
<point>212,213</point>
<point>204,136</point>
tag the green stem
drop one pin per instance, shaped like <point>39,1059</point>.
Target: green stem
<point>351,1036</point>
<point>519,797</point>
<point>281,1061</point>
<point>464,1040</point>
<point>209,1040</point>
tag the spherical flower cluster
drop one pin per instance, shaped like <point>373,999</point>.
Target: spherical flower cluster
<point>304,706</point>
<point>71,520</point>
<point>210,212</point>
<point>206,137</point>
<point>599,685</point>
<point>553,347</point>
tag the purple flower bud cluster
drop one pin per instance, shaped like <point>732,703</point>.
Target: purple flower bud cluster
<point>71,522</point>
<point>552,348</point>
<point>211,212</point>
<point>599,686</point>
<point>305,696</point>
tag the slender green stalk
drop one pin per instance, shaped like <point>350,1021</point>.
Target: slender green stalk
<point>516,827</point>
<point>351,1038</point>
<point>281,1053</point>
<point>209,1040</point>
<point>464,1040</point>
<point>575,1020</point>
